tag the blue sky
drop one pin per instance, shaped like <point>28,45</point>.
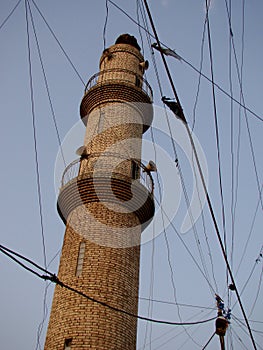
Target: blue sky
<point>79,27</point>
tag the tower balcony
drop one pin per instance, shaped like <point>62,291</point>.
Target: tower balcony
<point>118,85</point>
<point>81,187</point>
<point>120,76</point>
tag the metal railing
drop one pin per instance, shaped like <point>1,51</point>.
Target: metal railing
<point>143,175</point>
<point>118,75</point>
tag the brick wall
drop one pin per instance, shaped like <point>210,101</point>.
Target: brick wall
<point>109,274</point>
<point>107,266</point>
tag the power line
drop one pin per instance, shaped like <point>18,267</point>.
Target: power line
<point>180,174</point>
<point>240,322</point>
<point>181,113</point>
<point>105,24</point>
<point>10,14</point>
<point>246,118</point>
<point>191,65</point>
<point>200,70</point>
<point>54,279</point>
<point>35,136</point>
<point>244,328</point>
<point>169,257</point>
<point>59,44</point>
<point>250,233</point>
<point>216,130</point>
<point>180,304</point>
<point>257,294</point>
<point>209,340</point>
<point>47,86</point>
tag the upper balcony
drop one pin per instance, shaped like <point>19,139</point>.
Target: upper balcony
<point>118,85</point>
<point>120,76</point>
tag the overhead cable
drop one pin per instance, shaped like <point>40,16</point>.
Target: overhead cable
<point>201,175</point>
<point>35,135</point>
<point>209,340</point>
<point>216,130</point>
<point>59,44</point>
<point>190,65</point>
<point>49,276</point>
<point>46,85</point>
<point>10,14</point>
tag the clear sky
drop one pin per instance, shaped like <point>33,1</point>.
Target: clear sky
<point>168,272</point>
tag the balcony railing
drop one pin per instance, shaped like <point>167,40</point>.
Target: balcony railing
<point>143,175</point>
<point>118,75</point>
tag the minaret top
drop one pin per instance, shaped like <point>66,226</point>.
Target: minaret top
<point>128,39</point>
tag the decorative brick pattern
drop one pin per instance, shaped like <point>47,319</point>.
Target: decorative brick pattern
<point>106,211</point>
<point>108,274</point>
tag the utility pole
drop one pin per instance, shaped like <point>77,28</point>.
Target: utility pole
<point>222,321</point>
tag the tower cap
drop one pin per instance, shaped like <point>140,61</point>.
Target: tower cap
<point>128,39</point>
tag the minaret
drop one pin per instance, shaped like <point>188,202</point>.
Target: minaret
<point>105,201</point>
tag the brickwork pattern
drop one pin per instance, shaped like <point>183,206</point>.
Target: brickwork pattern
<point>109,270</point>
<point>110,275</point>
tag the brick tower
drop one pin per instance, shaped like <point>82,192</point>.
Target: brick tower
<point>106,200</point>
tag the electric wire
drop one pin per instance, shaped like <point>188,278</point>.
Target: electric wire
<point>9,15</point>
<point>184,244</point>
<point>150,301</point>
<point>172,275</point>
<point>45,308</point>
<point>249,133</point>
<point>192,66</point>
<point>47,86</point>
<point>246,119</point>
<point>229,339</point>
<point>35,137</point>
<point>244,329</point>
<point>202,178</point>
<point>231,142</point>
<point>252,271</point>
<point>209,340</point>
<point>243,324</point>
<point>199,76</point>
<point>178,166</point>
<point>159,346</point>
<point>239,116</point>
<point>172,331</point>
<point>105,24</point>
<point>239,339</point>
<point>59,44</point>
<point>8,253</point>
<point>190,336</point>
<point>138,11</point>
<point>159,186</point>
<point>178,334</point>
<point>152,278</point>
<point>240,109</point>
<point>44,317</point>
<point>257,293</point>
<point>216,131</point>
<point>54,279</point>
<point>249,234</point>
<point>193,125</point>
<point>186,198</point>
<point>180,304</point>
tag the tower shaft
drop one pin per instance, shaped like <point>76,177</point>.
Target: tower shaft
<point>105,205</point>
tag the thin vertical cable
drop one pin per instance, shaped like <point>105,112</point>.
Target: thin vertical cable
<point>105,24</point>
<point>201,175</point>
<point>35,137</point>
